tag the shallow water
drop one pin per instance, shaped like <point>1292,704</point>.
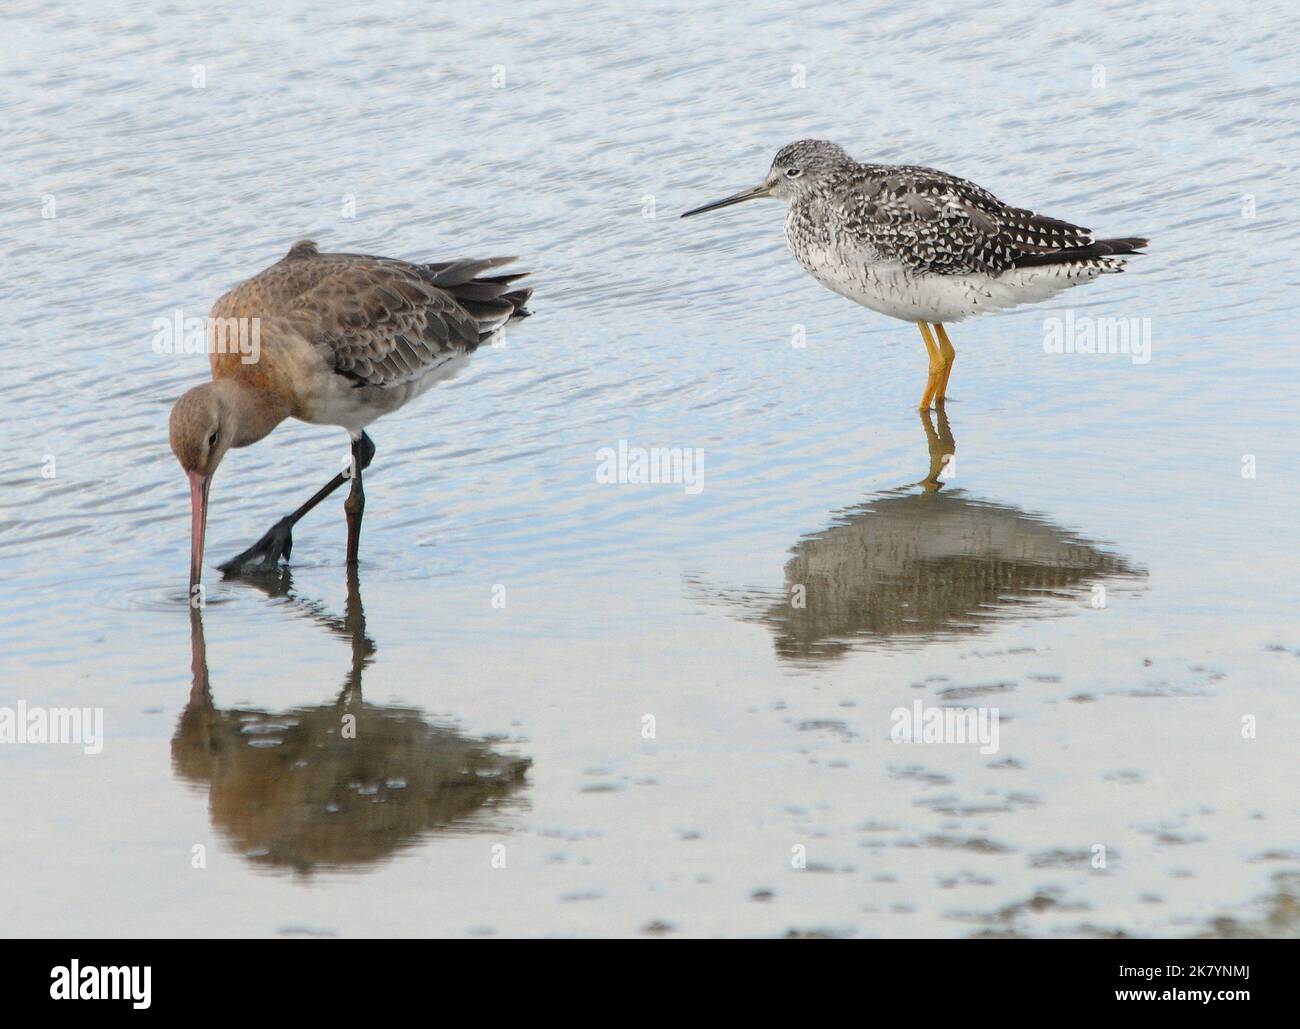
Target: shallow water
<point>585,708</point>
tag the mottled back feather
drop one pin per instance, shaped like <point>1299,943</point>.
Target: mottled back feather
<point>935,223</point>
<point>379,321</point>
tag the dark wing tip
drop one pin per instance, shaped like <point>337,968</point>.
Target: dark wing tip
<point>459,272</point>
<point>519,298</point>
<point>1094,250</point>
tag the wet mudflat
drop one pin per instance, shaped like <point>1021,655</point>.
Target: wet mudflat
<point>549,704</point>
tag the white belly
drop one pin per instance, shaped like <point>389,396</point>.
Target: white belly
<point>892,289</point>
<point>338,401</point>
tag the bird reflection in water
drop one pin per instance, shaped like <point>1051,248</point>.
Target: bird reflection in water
<point>340,785</point>
<point>915,565</point>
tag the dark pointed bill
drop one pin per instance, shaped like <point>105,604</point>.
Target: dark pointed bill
<point>749,194</point>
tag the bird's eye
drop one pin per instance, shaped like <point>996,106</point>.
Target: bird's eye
<point>212,440</point>
<point>792,173</point>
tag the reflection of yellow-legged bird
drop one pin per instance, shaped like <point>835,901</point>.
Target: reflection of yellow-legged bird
<point>942,447</point>
<point>912,565</point>
<point>922,245</point>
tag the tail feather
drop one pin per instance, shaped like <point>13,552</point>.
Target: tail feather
<point>487,299</point>
<point>446,274</point>
<point>518,298</point>
<point>1097,249</point>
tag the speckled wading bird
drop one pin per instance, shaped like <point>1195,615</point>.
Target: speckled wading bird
<point>921,245</point>
<point>343,339</point>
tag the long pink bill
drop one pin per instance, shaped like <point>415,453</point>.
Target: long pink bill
<point>198,524</point>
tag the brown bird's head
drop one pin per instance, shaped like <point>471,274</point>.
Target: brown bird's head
<point>201,431</point>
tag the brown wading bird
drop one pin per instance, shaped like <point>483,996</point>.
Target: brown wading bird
<point>342,340</point>
<point>919,244</point>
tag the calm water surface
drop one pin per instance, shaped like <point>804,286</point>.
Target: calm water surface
<point>584,708</point>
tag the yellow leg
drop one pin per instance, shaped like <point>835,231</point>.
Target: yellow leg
<point>936,366</point>
<point>949,355</point>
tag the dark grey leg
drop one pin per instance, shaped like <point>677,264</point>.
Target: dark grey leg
<point>265,554</point>
<point>363,452</point>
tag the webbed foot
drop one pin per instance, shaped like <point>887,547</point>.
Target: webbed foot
<point>265,554</point>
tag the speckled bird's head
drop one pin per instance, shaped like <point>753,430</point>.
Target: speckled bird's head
<point>800,166</point>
